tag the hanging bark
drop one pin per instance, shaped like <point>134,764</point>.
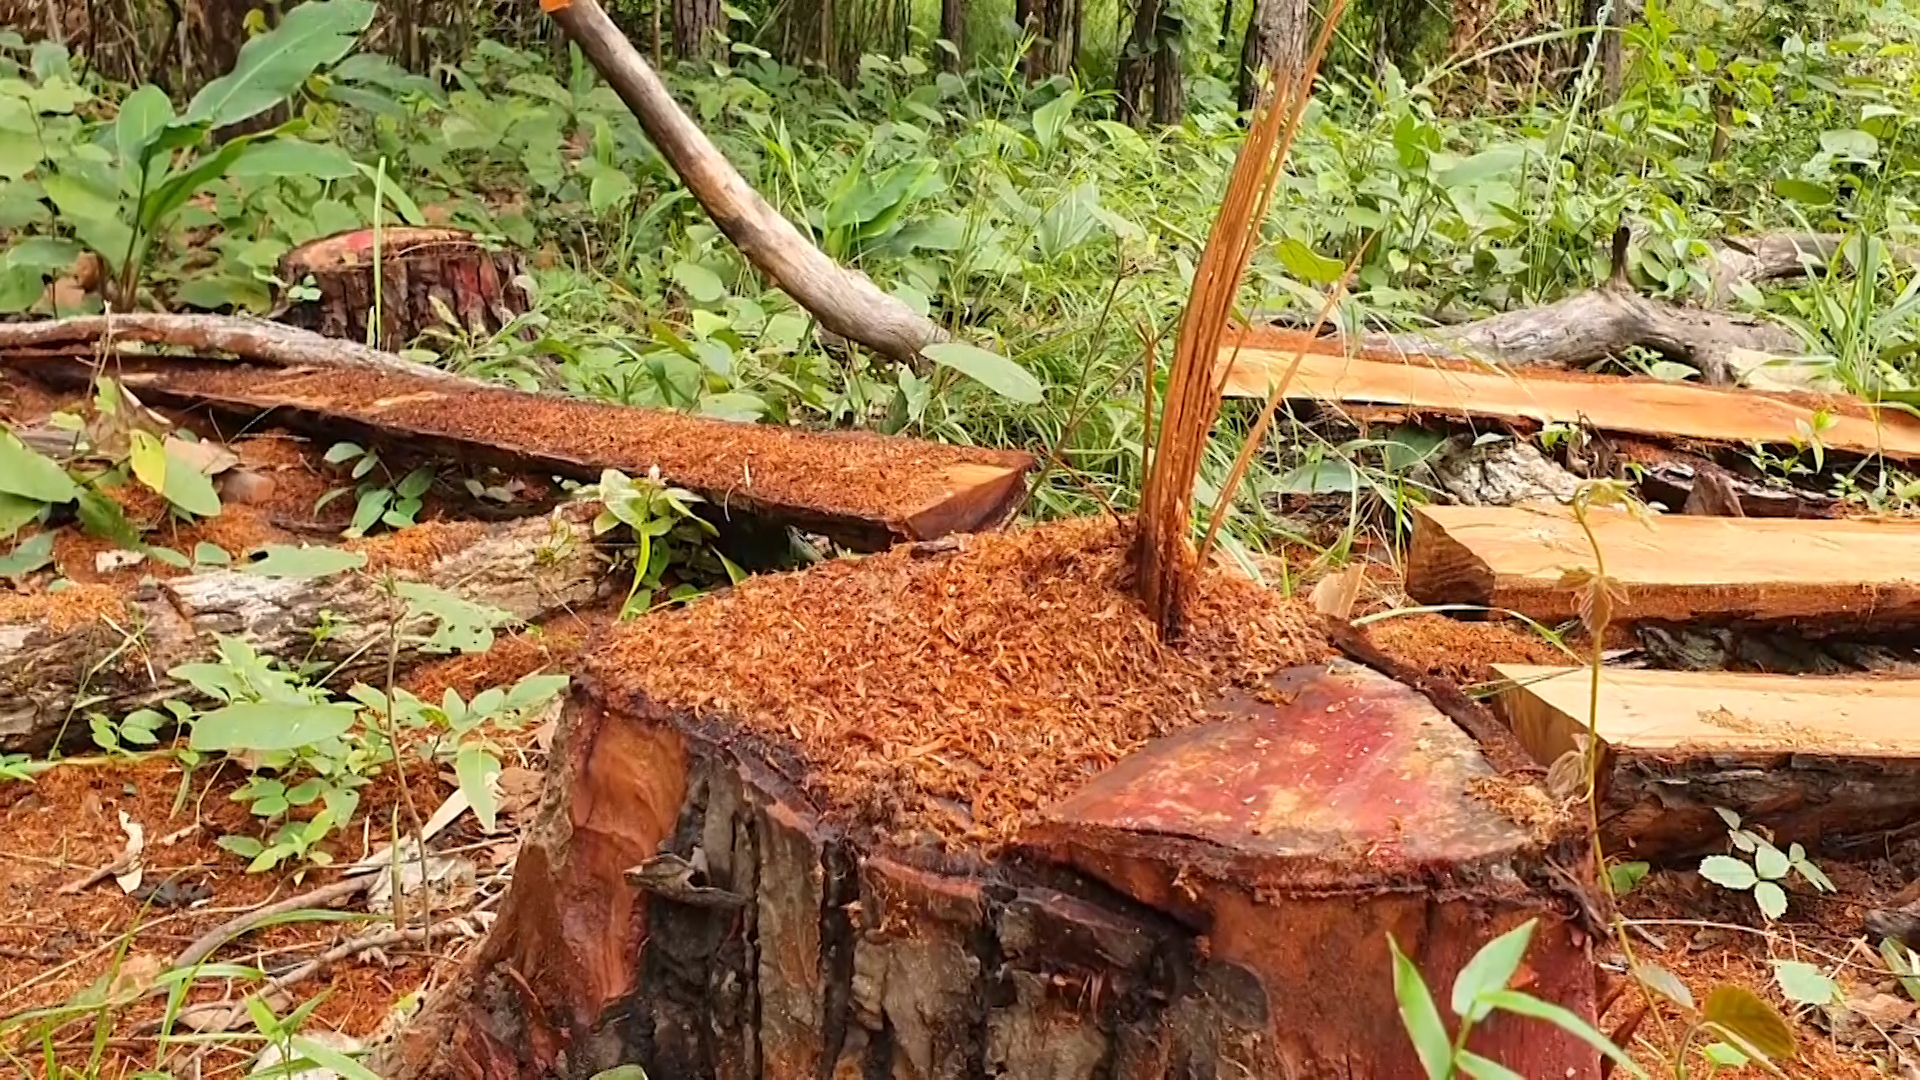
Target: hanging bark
<point>845,301</point>
<point>426,275</point>
<point>697,30</point>
<point>1275,46</point>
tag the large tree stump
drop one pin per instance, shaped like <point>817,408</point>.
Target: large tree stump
<point>1216,905</point>
<point>427,276</point>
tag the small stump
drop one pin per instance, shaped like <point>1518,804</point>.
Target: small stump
<point>705,896</point>
<point>428,275</point>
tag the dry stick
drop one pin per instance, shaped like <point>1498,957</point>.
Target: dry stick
<point>254,340</point>
<point>1278,394</point>
<point>846,302</point>
<point>208,943</point>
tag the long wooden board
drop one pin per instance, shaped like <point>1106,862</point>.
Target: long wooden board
<point>863,491</point>
<point>1628,406</point>
<point>1673,567</point>
<point>1810,758</point>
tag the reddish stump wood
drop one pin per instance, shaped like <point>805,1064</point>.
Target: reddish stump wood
<point>425,272</point>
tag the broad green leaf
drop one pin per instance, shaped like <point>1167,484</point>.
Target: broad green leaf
<point>1850,143</point>
<point>990,369</point>
<point>29,555</point>
<point>1665,983</point>
<point>190,489</point>
<point>342,451</point>
<point>1482,166</point>
<point>16,512</point>
<point>1725,1055</point>
<point>143,114</point>
<point>1520,1004</point>
<point>92,214</point>
<point>609,189</point>
<point>414,484</point>
<point>1770,862</point>
<point>1490,969</point>
<point>702,285</point>
<point>286,561</point>
<point>210,554</point>
<point>163,199</point>
<point>1627,876</point>
<point>272,66</point>
<point>149,460</point>
<point>293,157</point>
<point>1754,1024</point>
<point>104,518</point>
<point>1728,872</point>
<point>533,690</point>
<point>1803,983</point>
<point>1771,899</point>
<point>1805,192</point>
<point>1050,119</point>
<point>20,288</point>
<point>269,726</point>
<point>1419,1015</point>
<point>474,767</point>
<point>1308,265</point>
<point>366,513</point>
<point>30,476</point>
<point>43,253</point>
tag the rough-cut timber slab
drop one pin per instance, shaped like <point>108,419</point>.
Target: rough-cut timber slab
<point>1672,567</point>
<point>424,272</point>
<point>863,491</point>
<point>1341,808</point>
<point>757,939</point>
<point>1627,406</point>
<point>1811,759</point>
<point>115,650</point>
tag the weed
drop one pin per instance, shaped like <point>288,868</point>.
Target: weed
<point>1764,868</point>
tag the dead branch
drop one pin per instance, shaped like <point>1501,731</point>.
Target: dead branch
<point>1773,256</point>
<point>210,942</point>
<point>254,340</point>
<point>846,302</point>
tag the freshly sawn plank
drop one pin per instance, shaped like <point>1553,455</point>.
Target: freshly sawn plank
<point>863,491</point>
<point>1627,406</point>
<point>1672,568</point>
<point>1811,759</point>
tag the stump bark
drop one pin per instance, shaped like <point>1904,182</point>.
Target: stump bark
<point>427,276</point>
<point>1216,905</point>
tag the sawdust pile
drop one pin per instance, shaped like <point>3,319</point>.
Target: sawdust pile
<point>948,697</point>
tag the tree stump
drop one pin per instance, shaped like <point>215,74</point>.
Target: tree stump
<point>1217,904</point>
<point>428,276</point>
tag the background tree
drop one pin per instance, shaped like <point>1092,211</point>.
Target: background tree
<point>1275,45</point>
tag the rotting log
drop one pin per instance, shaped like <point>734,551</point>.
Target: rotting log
<point>1646,407</point>
<point>1218,904</point>
<point>1815,761</point>
<point>90,650</point>
<point>860,490</point>
<point>254,340</point>
<point>1827,575</point>
<point>426,276</point>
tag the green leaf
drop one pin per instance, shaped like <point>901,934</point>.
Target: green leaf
<point>1490,969</point>
<point>1665,983</point>
<point>104,518</point>
<point>272,66</point>
<point>293,157</point>
<point>1627,876</point>
<point>1481,1069</point>
<point>286,561</point>
<point>342,451</point>
<point>701,284</point>
<point>329,1059</point>
<point>995,372</point>
<point>43,253</point>
<point>474,767</point>
<point>29,555</point>
<point>414,484</point>
<point>1771,898</point>
<point>244,846</point>
<point>366,513</point>
<point>16,512</point>
<point>269,726</point>
<point>149,460</point>
<point>210,554</point>
<point>534,690</point>
<point>1805,192</point>
<point>190,489</point>
<point>143,114</point>
<point>1419,1015</point>
<point>609,189</point>
<point>1483,166</point>
<point>92,214</point>
<point>1770,862</point>
<point>28,475</point>
<point>1725,1055</point>
<point>1728,872</point>
<point>1309,265</point>
<point>1513,1001</point>
<point>1050,120</point>
<point>1756,1025</point>
<point>1850,143</point>
<point>1804,984</point>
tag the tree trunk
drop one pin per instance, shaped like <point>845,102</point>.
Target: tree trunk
<point>1226,25</point>
<point>697,30</point>
<point>1136,64</point>
<point>1275,46</point>
<point>1169,76</point>
<point>846,302</point>
<point>426,274</point>
<point>1026,19</point>
<point>953,29</point>
<point>213,32</point>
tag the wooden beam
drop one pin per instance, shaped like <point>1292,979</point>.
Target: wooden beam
<point>1673,568</point>
<point>1628,406</point>
<point>1811,759</point>
<point>863,491</point>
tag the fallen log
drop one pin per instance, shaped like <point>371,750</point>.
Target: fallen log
<point>1812,760</point>
<point>254,340</point>
<point>862,491</point>
<point>426,277</point>
<point>1820,575</point>
<point>93,649</point>
<point>835,849</point>
<point>1673,411</point>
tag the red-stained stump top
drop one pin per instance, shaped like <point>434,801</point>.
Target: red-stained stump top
<point>864,491</point>
<point>1330,775</point>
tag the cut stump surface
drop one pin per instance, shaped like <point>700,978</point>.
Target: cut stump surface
<point>427,276</point>
<point>1812,759</point>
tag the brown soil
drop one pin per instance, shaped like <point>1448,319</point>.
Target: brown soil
<point>951,697</point>
<point>846,473</point>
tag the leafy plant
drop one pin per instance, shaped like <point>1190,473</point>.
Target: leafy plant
<point>1763,870</point>
<point>378,499</point>
<point>1479,991</point>
<point>670,541</point>
<point>1733,1029</point>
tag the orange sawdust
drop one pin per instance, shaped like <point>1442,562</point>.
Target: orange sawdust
<point>952,696</point>
<point>416,548</point>
<point>1460,650</point>
<point>62,611</point>
<point>552,646</point>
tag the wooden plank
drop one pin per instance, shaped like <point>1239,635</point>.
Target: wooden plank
<point>1630,406</point>
<point>1811,759</point>
<point>1674,568</point>
<point>861,490</point>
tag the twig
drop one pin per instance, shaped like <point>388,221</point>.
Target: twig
<point>210,942</point>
